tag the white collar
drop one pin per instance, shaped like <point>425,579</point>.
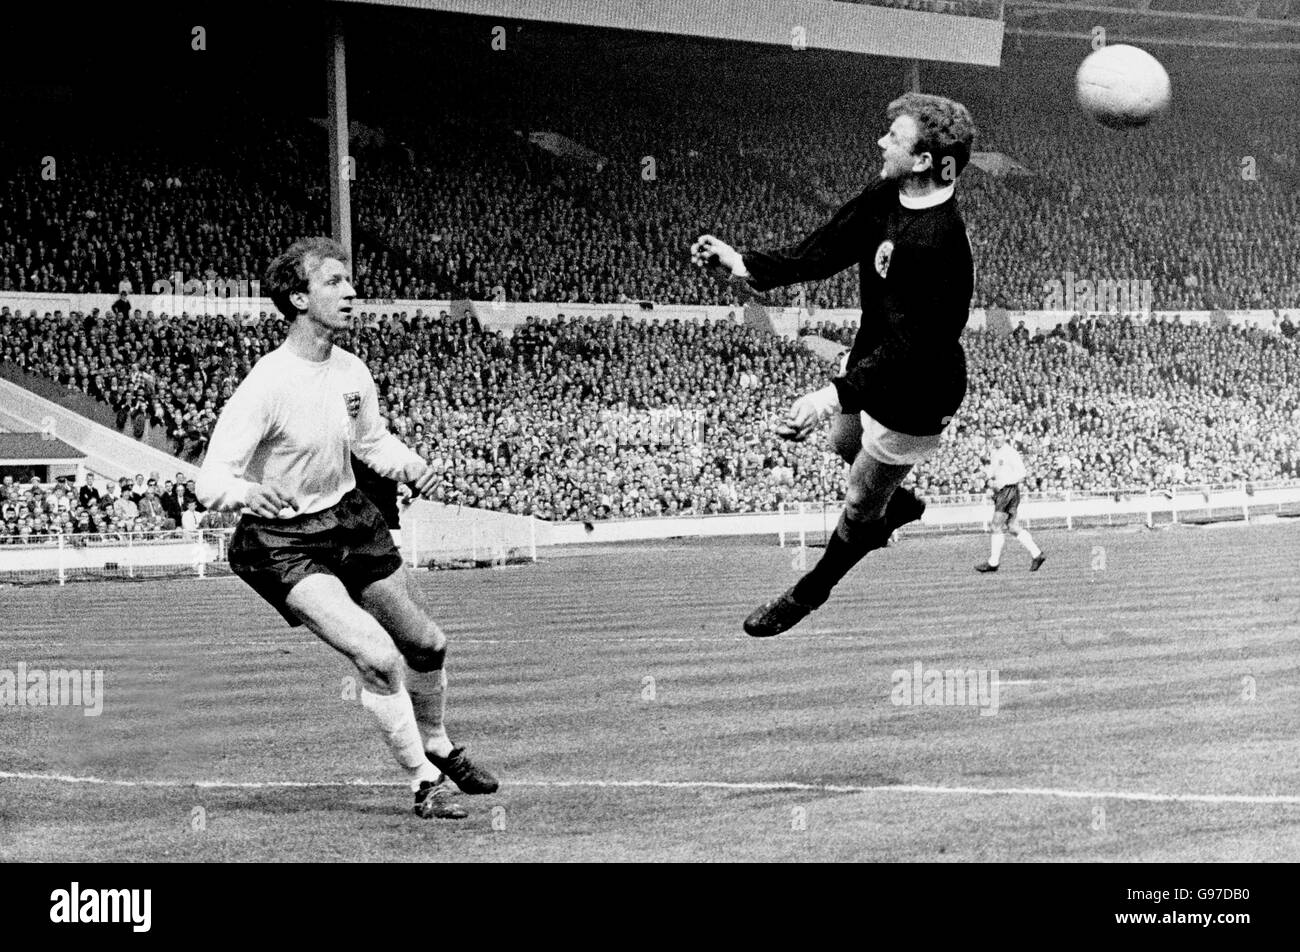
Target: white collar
<point>928,201</point>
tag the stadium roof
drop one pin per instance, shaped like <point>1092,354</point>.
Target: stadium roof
<point>1223,24</point>
<point>36,448</point>
<point>819,24</point>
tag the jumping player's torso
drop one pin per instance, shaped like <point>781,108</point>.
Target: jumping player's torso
<point>917,280</point>
<point>894,231</point>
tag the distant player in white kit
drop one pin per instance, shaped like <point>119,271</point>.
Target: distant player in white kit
<point>1006,471</point>
<point>311,543</point>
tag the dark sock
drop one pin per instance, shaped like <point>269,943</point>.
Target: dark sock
<point>903,507</point>
<point>847,545</point>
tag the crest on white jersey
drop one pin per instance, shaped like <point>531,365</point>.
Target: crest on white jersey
<point>353,401</point>
<point>883,254</point>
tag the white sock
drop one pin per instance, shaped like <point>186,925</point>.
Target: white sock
<point>995,553</point>
<point>1025,539</point>
<point>429,699</point>
<point>396,720</point>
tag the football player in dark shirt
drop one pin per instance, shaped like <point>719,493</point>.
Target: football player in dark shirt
<point>906,374</point>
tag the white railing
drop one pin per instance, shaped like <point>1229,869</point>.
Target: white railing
<point>973,512</point>
<point>1070,510</point>
<point>80,555</point>
<point>479,537</point>
<point>436,534</point>
<point>1068,495</point>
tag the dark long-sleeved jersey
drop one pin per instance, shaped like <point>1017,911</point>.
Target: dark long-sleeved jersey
<point>907,368</point>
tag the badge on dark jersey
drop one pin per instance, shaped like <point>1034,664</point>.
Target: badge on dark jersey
<point>353,402</point>
<point>883,254</point>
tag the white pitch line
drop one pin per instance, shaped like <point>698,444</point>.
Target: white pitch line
<point>566,638</point>
<point>777,786</point>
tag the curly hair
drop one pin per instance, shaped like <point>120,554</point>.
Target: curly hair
<point>945,130</point>
<point>287,274</point>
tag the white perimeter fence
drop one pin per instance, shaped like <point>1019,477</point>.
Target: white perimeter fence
<point>462,537</point>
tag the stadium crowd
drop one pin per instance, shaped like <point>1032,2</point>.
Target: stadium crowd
<point>604,210</point>
<point>102,510</point>
<point>974,8</point>
<point>616,417</point>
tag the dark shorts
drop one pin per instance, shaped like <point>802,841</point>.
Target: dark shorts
<point>1007,500</point>
<point>350,541</point>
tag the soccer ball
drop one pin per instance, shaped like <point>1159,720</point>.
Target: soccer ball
<point>1122,86</point>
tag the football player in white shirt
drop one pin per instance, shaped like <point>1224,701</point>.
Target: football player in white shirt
<point>310,543</point>
<point>1006,470</point>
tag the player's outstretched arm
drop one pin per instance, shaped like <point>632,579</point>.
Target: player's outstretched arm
<point>830,249</point>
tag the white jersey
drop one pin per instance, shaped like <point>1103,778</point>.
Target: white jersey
<point>1006,468</point>
<point>292,424</point>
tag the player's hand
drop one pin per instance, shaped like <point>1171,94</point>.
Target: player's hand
<point>788,431</point>
<point>268,502</point>
<point>809,412</point>
<point>424,479</point>
<point>709,250</point>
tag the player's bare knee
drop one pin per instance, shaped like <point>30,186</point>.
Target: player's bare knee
<point>381,671</point>
<point>429,652</point>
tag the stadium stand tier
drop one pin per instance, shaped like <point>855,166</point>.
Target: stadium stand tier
<point>583,419</point>
<point>527,193</point>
